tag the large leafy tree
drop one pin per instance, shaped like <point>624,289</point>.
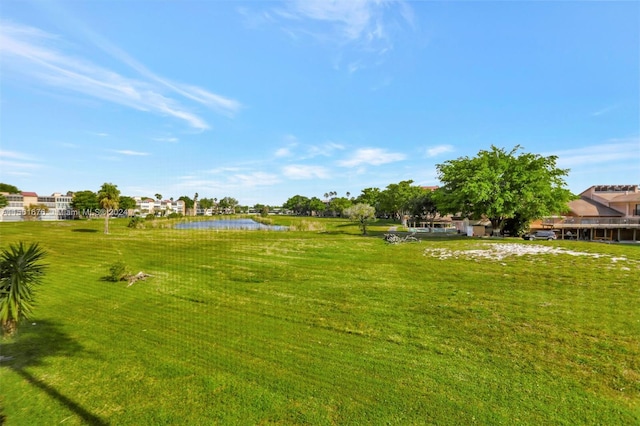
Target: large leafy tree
<point>501,185</point>
<point>85,202</point>
<point>20,270</point>
<point>299,204</point>
<point>424,206</point>
<point>316,205</point>
<point>188,202</point>
<point>397,198</point>
<point>339,204</point>
<point>361,213</point>
<point>369,196</point>
<point>228,204</point>
<point>11,189</point>
<point>108,198</point>
<point>127,203</point>
<point>3,201</point>
<point>206,203</point>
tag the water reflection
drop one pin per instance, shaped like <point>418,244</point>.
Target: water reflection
<point>242,224</point>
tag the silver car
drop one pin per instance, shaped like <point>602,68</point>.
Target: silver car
<point>541,235</point>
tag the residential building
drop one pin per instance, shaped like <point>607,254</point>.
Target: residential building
<point>602,212</point>
<point>145,206</point>
<point>58,206</point>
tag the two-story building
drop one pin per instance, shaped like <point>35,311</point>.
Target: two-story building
<point>603,212</point>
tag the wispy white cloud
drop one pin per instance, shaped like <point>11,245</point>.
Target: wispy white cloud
<point>363,25</point>
<point>306,151</point>
<point>615,150</point>
<point>225,170</point>
<point>283,152</point>
<point>604,110</point>
<point>15,155</point>
<point>21,174</point>
<point>31,53</point>
<point>170,139</point>
<point>8,165</point>
<point>353,19</point>
<point>229,182</point>
<point>325,150</point>
<point>129,152</point>
<point>373,157</point>
<point>15,163</point>
<point>297,171</point>
<point>434,151</point>
<point>253,179</point>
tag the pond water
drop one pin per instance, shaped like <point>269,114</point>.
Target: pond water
<point>243,224</point>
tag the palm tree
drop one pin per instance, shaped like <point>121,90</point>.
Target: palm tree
<point>108,197</point>
<point>20,270</point>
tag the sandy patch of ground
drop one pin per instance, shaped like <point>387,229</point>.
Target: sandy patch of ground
<point>497,251</point>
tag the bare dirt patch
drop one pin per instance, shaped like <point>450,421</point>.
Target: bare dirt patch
<point>500,251</point>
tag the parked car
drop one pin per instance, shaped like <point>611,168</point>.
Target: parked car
<point>540,235</point>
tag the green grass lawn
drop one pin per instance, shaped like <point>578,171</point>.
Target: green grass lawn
<point>321,327</point>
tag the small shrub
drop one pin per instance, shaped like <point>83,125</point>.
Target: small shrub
<point>116,271</point>
<point>150,216</point>
<point>309,225</point>
<point>174,215</point>
<point>136,222</point>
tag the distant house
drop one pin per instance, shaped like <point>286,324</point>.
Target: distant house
<point>58,205</point>
<point>147,206</point>
<point>603,212</point>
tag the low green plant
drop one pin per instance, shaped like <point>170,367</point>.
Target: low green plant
<point>117,271</point>
<point>21,269</point>
<point>136,222</point>
<point>150,216</point>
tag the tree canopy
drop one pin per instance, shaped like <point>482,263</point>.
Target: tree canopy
<point>188,202</point>
<point>361,213</point>
<point>298,204</point>
<point>127,203</point>
<point>397,198</point>
<point>108,198</point>
<point>501,185</point>
<point>85,202</point>
<point>424,206</point>
<point>11,189</point>
<point>228,204</point>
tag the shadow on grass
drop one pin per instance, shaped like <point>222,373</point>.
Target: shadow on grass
<point>30,348</point>
<point>84,230</point>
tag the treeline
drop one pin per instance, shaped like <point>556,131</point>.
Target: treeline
<point>508,188</point>
<point>396,200</point>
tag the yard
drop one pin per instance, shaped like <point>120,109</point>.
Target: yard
<point>323,326</point>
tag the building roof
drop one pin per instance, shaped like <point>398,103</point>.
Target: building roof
<point>586,207</point>
<point>28,194</point>
<point>626,198</point>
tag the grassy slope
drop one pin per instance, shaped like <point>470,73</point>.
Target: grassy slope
<point>320,328</point>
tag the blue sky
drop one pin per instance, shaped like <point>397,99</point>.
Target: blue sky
<point>265,100</point>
